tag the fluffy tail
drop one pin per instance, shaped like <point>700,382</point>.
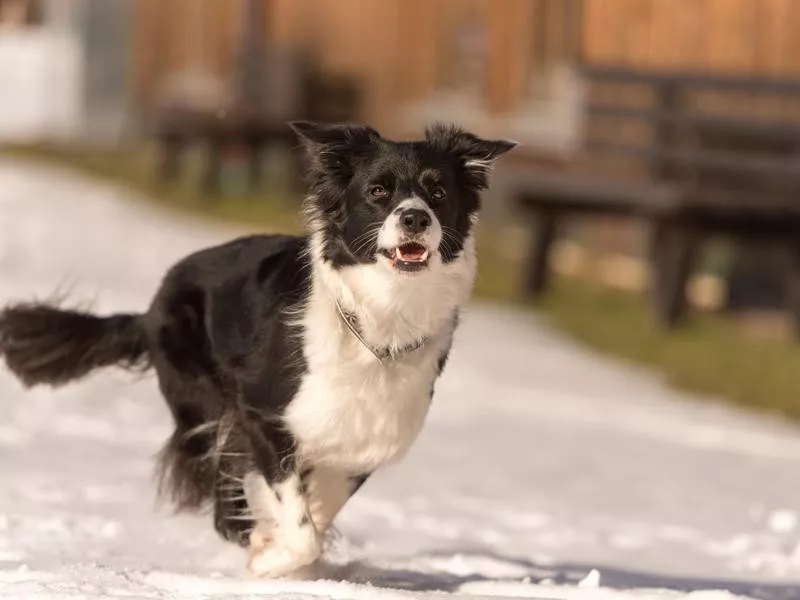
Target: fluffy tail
<point>42,344</point>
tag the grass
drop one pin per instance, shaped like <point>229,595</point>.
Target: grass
<point>711,354</point>
<point>134,167</point>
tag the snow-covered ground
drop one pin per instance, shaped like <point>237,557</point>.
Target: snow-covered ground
<point>539,463</point>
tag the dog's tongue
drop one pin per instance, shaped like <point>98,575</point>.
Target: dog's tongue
<point>412,252</point>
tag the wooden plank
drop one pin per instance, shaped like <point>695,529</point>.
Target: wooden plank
<point>627,22</point>
<point>718,160</point>
<point>143,55</point>
<point>693,17</point>
<point>498,96</point>
<point>730,34</point>
<point>222,31</point>
<point>772,128</point>
<point>596,15</point>
<point>727,82</point>
<point>769,44</point>
<point>738,36</point>
<point>663,42</point>
<point>521,29</point>
<point>417,62</point>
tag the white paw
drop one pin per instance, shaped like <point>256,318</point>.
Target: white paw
<point>278,558</point>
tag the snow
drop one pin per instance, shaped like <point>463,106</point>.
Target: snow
<point>544,471</point>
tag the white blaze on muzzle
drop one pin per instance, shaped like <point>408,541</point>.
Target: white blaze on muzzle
<point>410,236</point>
<point>406,245</point>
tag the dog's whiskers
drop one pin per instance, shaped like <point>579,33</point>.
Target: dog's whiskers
<point>365,240</point>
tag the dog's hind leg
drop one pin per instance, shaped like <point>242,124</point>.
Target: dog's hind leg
<point>186,469</point>
<point>232,460</point>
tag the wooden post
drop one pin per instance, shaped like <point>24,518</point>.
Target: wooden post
<point>249,61</point>
<point>538,263</point>
<point>256,149</point>
<point>210,183</point>
<point>248,98</point>
<point>169,164</point>
<point>674,252</point>
<point>668,105</point>
<point>793,287</point>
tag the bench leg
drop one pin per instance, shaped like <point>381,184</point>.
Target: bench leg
<point>169,163</point>
<point>538,267</point>
<point>793,288</point>
<point>210,184</point>
<point>674,252</point>
<point>257,147</point>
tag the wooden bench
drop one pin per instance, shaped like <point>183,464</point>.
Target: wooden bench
<point>706,175</point>
<point>270,85</point>
<point>246,127</point>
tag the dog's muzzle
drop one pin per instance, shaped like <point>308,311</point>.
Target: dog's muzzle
<point>409,236</point>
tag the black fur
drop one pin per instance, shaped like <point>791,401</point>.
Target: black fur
<point>227,360</point>
<point>224,355</point>
<point>45,344</point>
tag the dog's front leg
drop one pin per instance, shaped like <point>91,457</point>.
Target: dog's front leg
<point>284,538</point>
<point>327,491</point>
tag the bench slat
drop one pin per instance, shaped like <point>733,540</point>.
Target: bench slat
<point>772,130</point>
<point>784,168</point>
<point>567,191</point>
<point>709,81</point>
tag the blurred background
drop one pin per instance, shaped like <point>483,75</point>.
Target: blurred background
<point>651,210</point>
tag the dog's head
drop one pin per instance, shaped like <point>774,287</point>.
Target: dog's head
<point>406,204</point>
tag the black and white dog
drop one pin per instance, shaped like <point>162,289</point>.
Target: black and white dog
<point>295,366</point>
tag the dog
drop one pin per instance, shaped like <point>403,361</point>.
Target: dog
<point>295,366</point>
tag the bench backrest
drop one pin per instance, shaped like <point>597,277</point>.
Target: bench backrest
<point>693,137</point>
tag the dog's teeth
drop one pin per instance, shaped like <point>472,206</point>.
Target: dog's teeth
<point>412,257</point>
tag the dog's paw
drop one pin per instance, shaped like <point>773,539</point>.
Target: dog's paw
<point>279,557</point>
<point>259,539</point>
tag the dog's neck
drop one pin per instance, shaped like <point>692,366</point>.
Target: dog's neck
<point>393,309</point>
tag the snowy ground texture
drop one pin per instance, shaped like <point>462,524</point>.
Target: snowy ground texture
<point>539,463</point>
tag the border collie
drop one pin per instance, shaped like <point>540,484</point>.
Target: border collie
<point>294,366</point>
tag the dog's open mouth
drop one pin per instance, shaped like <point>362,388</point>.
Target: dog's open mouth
<point>410,256</point>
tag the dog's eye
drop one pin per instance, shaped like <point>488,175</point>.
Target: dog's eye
<point>438,194</point>
<point>378,191</point>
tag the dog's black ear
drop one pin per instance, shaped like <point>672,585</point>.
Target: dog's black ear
<point>333,133</point>
<point>333,149</point>
<point>476,155</point>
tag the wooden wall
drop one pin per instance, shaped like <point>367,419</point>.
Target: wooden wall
<point>354,37</point>
<point>743,36</point>
<point>173,35</point>
<point>399,47</point>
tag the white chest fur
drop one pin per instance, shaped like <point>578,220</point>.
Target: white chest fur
<point>357,414</point>
<point>353,412</point>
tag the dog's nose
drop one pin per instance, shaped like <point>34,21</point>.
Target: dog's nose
<point>415,220</point>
